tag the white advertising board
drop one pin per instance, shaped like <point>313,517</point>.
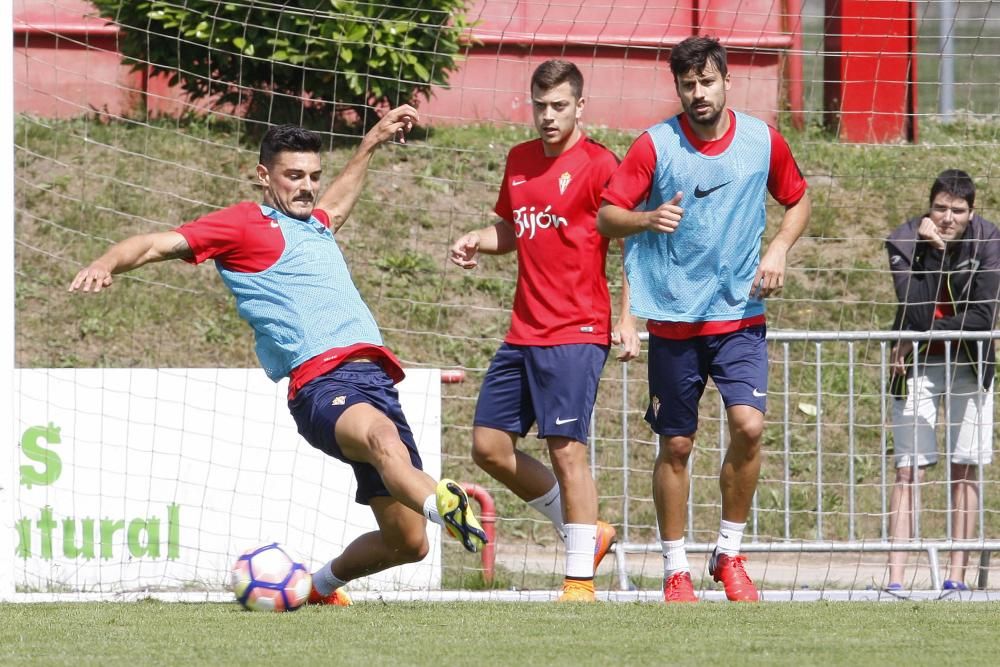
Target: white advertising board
<point>157,479</point>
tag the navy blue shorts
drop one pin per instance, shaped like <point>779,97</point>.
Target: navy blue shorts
<point>553,385</point>
<point>679,369</point>
<point>318,405</point>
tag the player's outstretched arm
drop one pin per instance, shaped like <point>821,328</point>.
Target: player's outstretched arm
<point>616,222</point>
<point>770,276</point>
<point>129,254</point>
<point>339,199</point>
<point>498,239</point>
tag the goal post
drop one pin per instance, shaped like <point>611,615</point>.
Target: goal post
<point>101,152</point>
<point>7,312</point>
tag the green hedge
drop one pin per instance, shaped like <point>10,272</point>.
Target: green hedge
<point>294,61</point>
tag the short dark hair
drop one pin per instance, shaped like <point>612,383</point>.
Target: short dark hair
<point>291,138</point>
<point>956,183</point>
<point>552,73</point>
<point>694,53</point>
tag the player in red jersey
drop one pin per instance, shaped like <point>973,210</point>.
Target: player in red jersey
<point>549,365</point>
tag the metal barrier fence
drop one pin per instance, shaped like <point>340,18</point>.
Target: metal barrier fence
<point>827,389</point>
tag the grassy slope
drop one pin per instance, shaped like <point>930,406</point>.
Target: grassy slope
<point>82,184</point>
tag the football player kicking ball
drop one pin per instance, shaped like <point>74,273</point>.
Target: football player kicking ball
<point>690,196</point>
<point>281,261</point>
<point>549,365</point>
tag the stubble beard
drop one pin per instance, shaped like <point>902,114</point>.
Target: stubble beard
<point>709,121</point>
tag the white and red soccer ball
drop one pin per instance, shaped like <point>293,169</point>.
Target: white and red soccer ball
<point>268,579</point>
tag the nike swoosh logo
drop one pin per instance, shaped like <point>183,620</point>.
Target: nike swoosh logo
<point>560,422</point>
<point>759,394</point>
<point>522,182</point>
<point>699,193</point>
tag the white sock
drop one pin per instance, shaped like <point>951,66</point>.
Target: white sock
<point>730,537</point>
<point>325,581</point>
<point>580,541</point>
<point>431,510</point>
<point>551,506</point>
<point>675,558</point>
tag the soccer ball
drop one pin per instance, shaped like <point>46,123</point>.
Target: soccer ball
<point>268,579</point>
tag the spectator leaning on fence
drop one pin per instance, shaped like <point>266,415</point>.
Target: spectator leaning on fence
<point>690,196</point>
<point>946,269</point>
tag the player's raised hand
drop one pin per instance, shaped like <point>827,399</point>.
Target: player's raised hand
<point>929,231</point>
<point>667,217</point>
<point>93,278</point>
<point>464,251</point>
<point>395,124</point>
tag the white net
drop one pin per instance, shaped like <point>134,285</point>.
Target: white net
<point>103,152</point>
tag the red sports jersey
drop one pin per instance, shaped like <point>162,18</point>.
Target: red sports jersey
<point>631,184</point>
<point>241,238</point>
<point>562,289</point>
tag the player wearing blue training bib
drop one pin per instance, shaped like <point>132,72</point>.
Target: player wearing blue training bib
<point>280,260</point>
<point>689,196</point>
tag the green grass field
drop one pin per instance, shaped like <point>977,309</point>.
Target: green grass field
<point>373,634</point>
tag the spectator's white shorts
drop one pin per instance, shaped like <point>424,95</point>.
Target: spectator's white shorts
<point>971,418</point>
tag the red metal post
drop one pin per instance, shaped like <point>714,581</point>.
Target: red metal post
<point>793,63</point>
<point>452,375</point>
<point>488,519</point>
<point>870,92</point>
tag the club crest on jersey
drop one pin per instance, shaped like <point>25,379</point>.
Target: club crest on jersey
<point>564,181</point>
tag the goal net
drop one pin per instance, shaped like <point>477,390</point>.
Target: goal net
<point>150,449</point>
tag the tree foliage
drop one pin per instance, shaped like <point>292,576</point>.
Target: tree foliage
<point>294,61</point>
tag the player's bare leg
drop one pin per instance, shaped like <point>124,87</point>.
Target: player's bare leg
<point>741,466</point>
<point>901,519</point>
<point>365,434</point>
<point>671,484</point>
<point>495,451</point>
<point>737,482</point>
<point>670,495</point>
<point>570,463</point>
<point>965,505</point>
<point>400,539</point>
